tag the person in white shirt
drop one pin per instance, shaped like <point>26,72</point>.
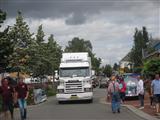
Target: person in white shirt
<point>140,91</point>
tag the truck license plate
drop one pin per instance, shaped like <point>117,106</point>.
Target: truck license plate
<point>74,97</point>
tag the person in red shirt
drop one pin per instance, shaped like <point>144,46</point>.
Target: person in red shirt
<point>123,88</point>
<point>7,93</point>
<point>22,95</point>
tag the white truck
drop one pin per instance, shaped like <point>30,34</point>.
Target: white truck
<point>75,82</point>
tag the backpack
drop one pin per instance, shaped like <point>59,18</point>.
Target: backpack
<point>115,94</point>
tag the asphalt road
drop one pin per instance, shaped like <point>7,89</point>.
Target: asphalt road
<point>51,110</point>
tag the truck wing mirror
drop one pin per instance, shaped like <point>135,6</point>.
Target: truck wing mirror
<point>93,72</point>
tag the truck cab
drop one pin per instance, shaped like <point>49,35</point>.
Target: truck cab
<point>75,82</point>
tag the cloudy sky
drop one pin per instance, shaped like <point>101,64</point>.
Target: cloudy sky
<point>108,24</point>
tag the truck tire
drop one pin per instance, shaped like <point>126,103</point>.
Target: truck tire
<point>60,102</point>
<point>90,101</point>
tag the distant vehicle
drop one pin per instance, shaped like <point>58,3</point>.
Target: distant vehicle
<point>95,83</point>
<point>75,77</point>
<point>131,82</point>
<point>103,83</point>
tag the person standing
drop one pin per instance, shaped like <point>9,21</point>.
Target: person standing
<point>155,89</point>
<point>113,91</point>
<point>123,88</point>
<point>7,93</point>
<point>22,95</point>
<point>140,91</point>
<point>148,89</point>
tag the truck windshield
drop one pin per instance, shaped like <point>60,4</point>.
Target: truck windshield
<point>78,72</point>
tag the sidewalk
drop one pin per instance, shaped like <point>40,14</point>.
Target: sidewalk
<point>147,108</point>
<point>133,105</point>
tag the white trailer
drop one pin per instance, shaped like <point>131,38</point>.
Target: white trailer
<point>75,74</point>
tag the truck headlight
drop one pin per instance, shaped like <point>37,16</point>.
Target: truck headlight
<point>60,90</point>
<point>61,82</point>
<point>87,89</point>
<point>87,81</point>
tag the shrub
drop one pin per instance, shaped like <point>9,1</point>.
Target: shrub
<point>30,99</point>
<point>151,67</point>
<point>50,91</point>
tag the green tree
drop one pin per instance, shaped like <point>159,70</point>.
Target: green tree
<point>152,67</point>
<point>145,37</point>
<point>2,16</point>
<point>45,56</point>
<point>37,62</point>
<point>78,45</point>
<point>6,45</point>
<point>115,67</point>
<point>22,39</point>
<point>141,39</point>
<point>40,35</point>
<point>54,54</point>
<point>107,70</point>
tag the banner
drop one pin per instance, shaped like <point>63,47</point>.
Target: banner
<point>39,96</point>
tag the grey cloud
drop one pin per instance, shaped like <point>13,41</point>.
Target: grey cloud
<point>76,19</point>
<point>63,8</point>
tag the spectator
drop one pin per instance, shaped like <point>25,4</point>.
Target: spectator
<point>140,91</point>
<point>7,93</point>
<point>22,95</point>
<point>113,91</point>
<point>122,88</point>
<point>155,89</point>
<point>148,88</point>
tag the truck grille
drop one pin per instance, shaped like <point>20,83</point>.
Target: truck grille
<point>73,86</point>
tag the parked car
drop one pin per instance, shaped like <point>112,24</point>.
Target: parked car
<point>95,83</point>
<point>103,82</point>
<point>131,82</point>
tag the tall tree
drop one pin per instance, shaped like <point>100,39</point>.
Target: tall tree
<point>6,45</point>
<point>145,37</point>
<point>115,67</point>
<point>79,45</point>
<point>45,57</point>
<point>141,40</point>
<point>22,39</point>
<point>2,16</point>
<point>38,61</point>
<point>54,54</point>
<point>40,35</point>
<point>107,70</point>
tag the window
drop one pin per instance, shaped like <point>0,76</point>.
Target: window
<point>78,72</point>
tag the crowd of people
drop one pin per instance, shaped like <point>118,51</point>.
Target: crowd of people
<point>116,92</point>
<point>117,89</point>
<point>13,95</point>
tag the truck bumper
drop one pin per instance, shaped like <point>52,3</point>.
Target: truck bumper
<point>75,96</point>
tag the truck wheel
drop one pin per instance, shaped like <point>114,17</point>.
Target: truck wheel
<point>90,101</point>
<point>60,102</point>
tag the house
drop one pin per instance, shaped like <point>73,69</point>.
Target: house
<point>156,53</point>
<point>125,63</point>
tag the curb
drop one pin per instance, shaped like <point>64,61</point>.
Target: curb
<point>134,110</point>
